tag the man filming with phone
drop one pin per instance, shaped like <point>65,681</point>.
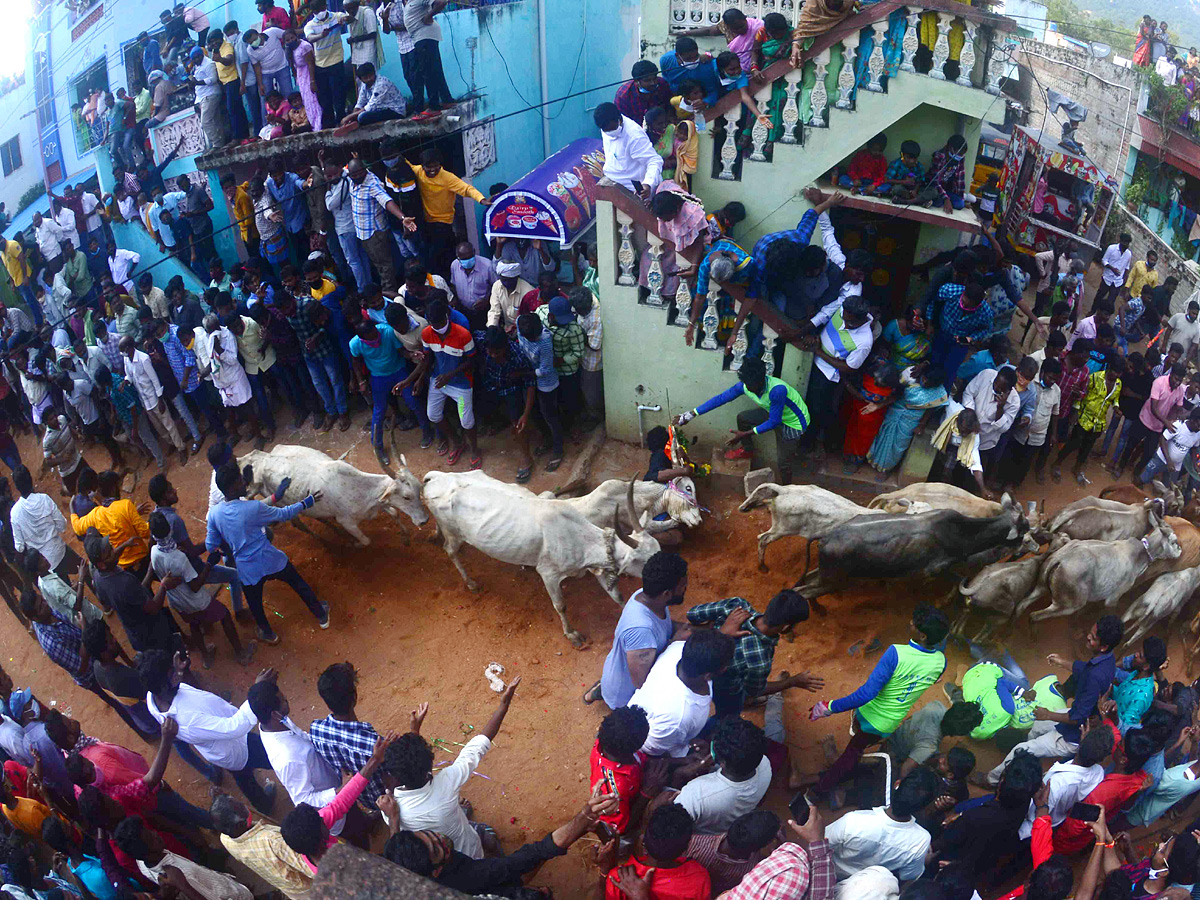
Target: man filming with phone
<point>799,868</point>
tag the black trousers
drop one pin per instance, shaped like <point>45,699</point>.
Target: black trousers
<point>550,421</point>
<point>289,576</point>
<point>1081,440</point>
<point>331,92</point>
<point>430,88</point>
<point>822,400</point>
<point>1106,291</point>
<point>440,241</point>
<point>245,779</point>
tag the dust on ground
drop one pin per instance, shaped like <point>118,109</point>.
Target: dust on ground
<point>401,614</point>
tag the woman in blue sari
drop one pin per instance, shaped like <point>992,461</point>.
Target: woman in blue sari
<point>923,391</point>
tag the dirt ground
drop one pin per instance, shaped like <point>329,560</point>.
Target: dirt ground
<point>402,615</point>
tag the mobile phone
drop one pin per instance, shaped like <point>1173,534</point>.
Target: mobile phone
<point>799,808</point>
<point>1085,812</point>
<point>610,780</point>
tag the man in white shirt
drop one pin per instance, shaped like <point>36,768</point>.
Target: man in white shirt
<point>736,788</point>
<point>629,158</point>
<point>1185,331</point>
<point>120,264</point>
<point>49,236</point>
<point>1174,445</point>
<point>218,731</point>
<point>992,396</point>
<point>886,836</point>
<point>38,523</point>
<point>269,60</point>
<point>92,222</point>
<point>65,217</point>
<point>428,800</point>
<point>304,773</point>
<point>676,694</point>
<point>1165,67</point>
<point>1116,262</point>
<point>844,342</point>
<point>208,94</point>
<point>140,372</point>
<point>1071,781</point>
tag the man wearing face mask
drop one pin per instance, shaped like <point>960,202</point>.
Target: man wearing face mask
<point>1144,274</point>
<point>629,158</point>
<point>472,277</point>
<point>646,90</point>
<point>687,62</point>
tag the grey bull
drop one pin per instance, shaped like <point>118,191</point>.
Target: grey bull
<point>902,546</point>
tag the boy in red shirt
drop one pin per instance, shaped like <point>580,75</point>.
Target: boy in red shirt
<point>868,167</point>
<point>1117,789</point>
<point>660,872</point>
<point>616,754</point>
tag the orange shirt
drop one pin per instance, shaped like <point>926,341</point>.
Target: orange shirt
<point>119,521</point>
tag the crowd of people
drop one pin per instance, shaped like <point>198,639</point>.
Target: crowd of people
<point>1153,49</point>
<point>356,284</point>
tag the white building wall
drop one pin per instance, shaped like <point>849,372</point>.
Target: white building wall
<point>14,123</point>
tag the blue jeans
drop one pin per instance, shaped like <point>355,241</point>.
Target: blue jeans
<point>381,391</point>
<point>327,378</point>
<point>1122,425</point>
<point>292,378</point>
<point>35,308</point>
<point>203,399</point>
<point>254,109</point>
<point>228,575</point>
<point>1157,468</point>
<point>258,388</point>
<point>356,259</point>
<point>281,80</point>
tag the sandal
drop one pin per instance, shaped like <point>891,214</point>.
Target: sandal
<point>553,465</point>
<point>426,442</point>
<point>442,448</point>
<point>455,454</point>
<point>592,694</point>
<point>476,462</point>
<point>524,474</point>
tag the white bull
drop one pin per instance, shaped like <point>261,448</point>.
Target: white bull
<point>1084,572</point>
<point>1094,519</point>
<point>1166,596</point>
<point>677,499</point>
<point>510,524</point>
<point>997,589</point>
<point>937,496</point>
<point>807,511</point>
<point>349,496</point>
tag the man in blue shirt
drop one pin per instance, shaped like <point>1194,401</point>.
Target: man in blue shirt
<point>1055,735</point>
<point>239,524</point>
<point>687,63</point>
<point>288,191</point>
<point>538,344</point>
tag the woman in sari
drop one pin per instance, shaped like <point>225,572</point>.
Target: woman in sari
<point>922,391</point>
<point>675,141</point>
<point>1141,44</point>
<point>301,54</point>
<point>908,338</point>
<point>816,18</point>
<point>772,44</point>
<point>863,411</point>
<point>681,220</point>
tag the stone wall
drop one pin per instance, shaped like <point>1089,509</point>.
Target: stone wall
<point>1169,262</point>
<point>1109,92</point>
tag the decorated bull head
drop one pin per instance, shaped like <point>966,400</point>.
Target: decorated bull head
<point>679,502</point>
<point>1162,542</point>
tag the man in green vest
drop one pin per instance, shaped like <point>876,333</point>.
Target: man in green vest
<point>780,409</point>
<point>882,702</point>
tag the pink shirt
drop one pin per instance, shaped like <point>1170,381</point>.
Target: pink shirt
<point>1085,329</point>
<point>1160,403</point>
<point>743,44</point>
<point>338,807</point>
<point>195,19</point>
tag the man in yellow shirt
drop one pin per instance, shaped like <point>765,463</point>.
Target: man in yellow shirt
<point>1142,274</point>
<point>21,274</point>
<point>119,521</point>
<point>243,210</point>
<point>438,187</point>
<point>225,59</point>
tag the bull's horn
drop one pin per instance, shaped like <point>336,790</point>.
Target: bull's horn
<point>625,538</point>
<point>633,516</point>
